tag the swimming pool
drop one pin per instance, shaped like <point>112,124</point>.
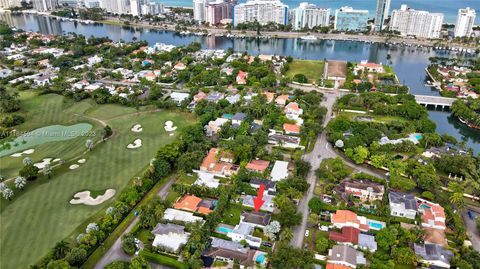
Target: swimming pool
<point>260,258</point>
<point>376,225</point>
<point>224,230</point>
<point>423,206</point>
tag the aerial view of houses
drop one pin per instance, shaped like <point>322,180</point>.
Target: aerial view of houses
<point>119,154</point>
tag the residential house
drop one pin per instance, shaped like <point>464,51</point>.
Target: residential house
<point>286,141</point>
<point>241,78</point>
<point>194,204</point>
<point>433,255</point>
<point>248,96</point>
<point>257,219</point>
<point>179,97</point>
<point>434,236</point>
<point>279,171</point>
<point>270,186</point>
<point>206,179</point>
<point>289,128</point>
<point>364,190</point>
<point>433,215</point>
<point>345,255</point>
<point>5,72</point>
<point>94,60</point>
<point>218,165</point>
<point>81,84</point>
<point>336,266</point>
<point>214,127</point>
<point>215,97</point>
<point>268,204</point>
<point>126,73</point>
<point>402,205</point>
<point>369,67</point>
<point>199,96</point>
<point>336,70</point>
<point>238,118</point>
<point>44,63</point>
<point>293,111</point>
<point>171,214</point>
<point>93,87</point>
<point>352,236</point>
<point>244,231</point>
<point>258,166</point>
<point>44,80</point>
<point>347,218</point>
<point>233,99</point>
<point>367,242</point>
<point>281,100</point>
<point>180,66</point>
<point>169,236</point>
<point>228,251</point>
<point>269,96</point>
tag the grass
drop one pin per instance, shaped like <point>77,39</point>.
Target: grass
<point>44,204</point>
<point>172,196</point>
<point>186,179</point>
<point>312,69</point>
<point>232,214</point>
<point>162,259</point>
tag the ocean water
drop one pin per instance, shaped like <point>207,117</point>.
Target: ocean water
<point>448,7</point>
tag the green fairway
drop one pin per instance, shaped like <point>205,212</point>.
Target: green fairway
<point>312,69</point>
<point>41,215</point>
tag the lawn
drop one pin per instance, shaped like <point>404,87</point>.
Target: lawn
<point>41,215</point>
<point>232,214</point>
<point>312,69</point>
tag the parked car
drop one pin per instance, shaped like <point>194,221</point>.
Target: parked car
<point>471,215</point>
<point>307,233</point>
<point>267,244</point>
<point>324,228</point>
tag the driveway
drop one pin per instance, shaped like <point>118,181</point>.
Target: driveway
<point>115,253</point>
<point>472,232</point>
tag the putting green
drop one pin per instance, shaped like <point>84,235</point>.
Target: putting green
<point>52,133</point>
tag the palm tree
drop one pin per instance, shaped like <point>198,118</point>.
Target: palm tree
<point>457,199</point>
<point>27,161</point>
<point>2,187</point>
<point>286,235</point>
<point>7,194</point>
<point>20,182</point>
<point>60,250</point>
<point>89,144</point>
<point>47,170</point>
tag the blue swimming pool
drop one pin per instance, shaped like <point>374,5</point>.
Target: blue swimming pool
<point>418,136</point>
<point>224,230</point>
<point>260,258</point>
<point>374,225</point>
<point>423,206</point>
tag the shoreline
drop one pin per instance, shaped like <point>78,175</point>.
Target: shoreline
<point>395,40</point>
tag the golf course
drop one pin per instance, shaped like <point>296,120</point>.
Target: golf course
<point>42,213</point>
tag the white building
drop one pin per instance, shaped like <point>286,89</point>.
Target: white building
<point>10,3</point>
<point>116,6</point>
<point>169,236</point>
<point>218,11</point>
<point>135,9</point>
<point>279,171</point>
<point>152,8</point>
<point>263,11</point>
<point>383,7</point>
<point>465,21</point>
<point>308,16</point>
<point>44,5</point>
<point>417,23</point>
<point>199,7</point>
<point>92,3</point>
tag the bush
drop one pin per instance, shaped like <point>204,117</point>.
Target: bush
<point>12,120</point>
<point>300,78</point>
<point>128,244</point>
<point>162,259</point>
<point>76,256</point>
<point>29,172</point>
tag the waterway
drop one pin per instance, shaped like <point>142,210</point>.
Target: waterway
<point>408,63</point>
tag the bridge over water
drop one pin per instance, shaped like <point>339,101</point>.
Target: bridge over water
<point>437,101</point>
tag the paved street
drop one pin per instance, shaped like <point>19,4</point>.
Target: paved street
<point>322,150</point>
<point>116,253</point>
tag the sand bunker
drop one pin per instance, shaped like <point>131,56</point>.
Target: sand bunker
<point>172,134</point>
<point>44,162</point>
<point>169,126</point>
<point>74,166</point>
<point>84,197</point>
<point>136,144</point>
<point>81,161</point>
<point>137,128</point>
<point>25,152</point>
<point>56,160</point>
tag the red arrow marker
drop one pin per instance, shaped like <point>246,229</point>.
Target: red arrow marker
<point>258,201</point>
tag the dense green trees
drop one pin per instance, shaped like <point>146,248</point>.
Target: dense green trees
<point>286,256</point>
<point>468,110</point>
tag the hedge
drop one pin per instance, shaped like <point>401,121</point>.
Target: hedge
<point>162,259</point>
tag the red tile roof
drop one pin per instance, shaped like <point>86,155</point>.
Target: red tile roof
<point>348,235</point>
<point>258,165</point>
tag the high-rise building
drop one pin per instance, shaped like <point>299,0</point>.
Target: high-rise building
<point>44,5</point>
<point>262,11</point>
<point>383,7</point>
<point>349,19</point>
<point>308,16</point>
<point>116,6</point>
<point>135,8</point>
<point>465,21</point>
<point>92,3</point>
<point>417,23</point>
<point>10,3</point>
<point>199,9</point>
<point>152,8</point>
<point>218,11</point>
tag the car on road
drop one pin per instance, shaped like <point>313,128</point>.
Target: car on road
<point>471,215</point>
<point>267,244</point>
<point>307,233</point>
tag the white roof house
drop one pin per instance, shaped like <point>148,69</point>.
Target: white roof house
<point>279,171</point>
<point>179,215</point>
<point>179,97</point>
<point>206,179</point>
<point>169,236</point>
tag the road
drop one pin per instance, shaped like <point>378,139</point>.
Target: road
<point>115,252</point>
<point>322,150</point>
